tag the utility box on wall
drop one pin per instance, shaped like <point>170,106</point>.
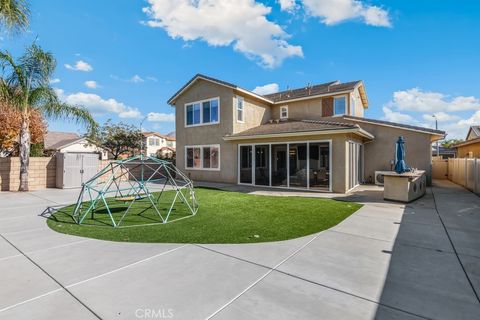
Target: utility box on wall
<point>73,169</point>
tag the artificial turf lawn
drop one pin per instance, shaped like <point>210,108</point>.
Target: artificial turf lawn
<point>223,217</point>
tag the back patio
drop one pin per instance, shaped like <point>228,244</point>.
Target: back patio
<point>385,261</point>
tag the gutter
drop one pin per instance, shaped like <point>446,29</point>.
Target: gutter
<point>358,131</point>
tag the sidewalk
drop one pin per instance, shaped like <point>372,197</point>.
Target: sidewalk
<point>386,261</point>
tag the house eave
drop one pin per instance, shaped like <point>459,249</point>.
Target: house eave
<point>357,131</point>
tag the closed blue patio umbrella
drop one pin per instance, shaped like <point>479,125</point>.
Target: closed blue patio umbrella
<point>400,164</point>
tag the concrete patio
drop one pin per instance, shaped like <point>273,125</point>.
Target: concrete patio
<point>386,261</point>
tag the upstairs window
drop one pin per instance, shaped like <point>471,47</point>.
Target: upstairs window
<point>284,112</point>
<point>339,106</point>
<point>153,141</point>
<point>202,112</point>
<point>240,109</point>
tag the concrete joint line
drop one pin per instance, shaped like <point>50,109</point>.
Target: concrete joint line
<point>65,288</point>
<point>261,278</point>
<point>46,249</point>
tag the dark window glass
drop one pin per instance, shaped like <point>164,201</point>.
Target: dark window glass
<point>189,115</point>
<point>206,112</point>
<point>206,157</point>
<point>189,157</point>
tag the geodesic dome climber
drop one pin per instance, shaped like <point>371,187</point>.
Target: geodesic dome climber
<point>140,190</point>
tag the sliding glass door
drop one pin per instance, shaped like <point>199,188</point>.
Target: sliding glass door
<point>245,170</point>
<point>262,165</point>
<point>298,165</point>
<point>279,165</point>
<point>319,161</point>
<point>303,165</point>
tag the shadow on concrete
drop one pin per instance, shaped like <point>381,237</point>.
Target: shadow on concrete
<point>426,278</point>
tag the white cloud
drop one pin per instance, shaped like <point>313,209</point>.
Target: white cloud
<point>152,78</point>
<point>287,5</point>
<point>136,79</point>
<point>91,84</point>
<point>266,89</point>
<point>242,24</point>
<point>161,117</point>
<point>416,107</point>
<point>424,101</point>
<point>80,65</point>
<point>441,117</point>
<point>393,116</point>
<point>99,106</point>
<point>55,80</point>
<point>333,12</point>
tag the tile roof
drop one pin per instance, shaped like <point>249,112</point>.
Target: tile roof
<point>318,89</point>
<point>294,126</point>
<point>394,124</point>
<point>53,140</point>
<point>309,91</point>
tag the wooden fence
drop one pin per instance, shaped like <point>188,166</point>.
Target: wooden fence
<point>462,171</point>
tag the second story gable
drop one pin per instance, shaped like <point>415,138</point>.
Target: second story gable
<point>213,106</point>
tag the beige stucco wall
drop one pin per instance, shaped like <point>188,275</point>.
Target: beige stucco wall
<point>255,112</point>
<point>359,109</point>
<point>312,109</point>
<point>381,150</point>
<point>208,134</point>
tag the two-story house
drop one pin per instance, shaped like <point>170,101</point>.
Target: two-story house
<point>314,138</point>
<point>157,144</point>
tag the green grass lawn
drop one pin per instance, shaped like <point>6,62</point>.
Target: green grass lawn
<point>223,217</point>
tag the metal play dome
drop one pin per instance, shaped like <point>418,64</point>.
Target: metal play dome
<point>154,191</point>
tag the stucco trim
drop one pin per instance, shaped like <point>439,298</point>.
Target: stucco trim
<point>358,119</point>
<point>358,131</point>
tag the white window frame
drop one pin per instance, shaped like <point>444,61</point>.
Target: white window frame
<point>270,144</point>
<point>283,108</point>
<point>201,157</point>
<point>346,106</point>
<point>201,112</point>
<point>242,109</point>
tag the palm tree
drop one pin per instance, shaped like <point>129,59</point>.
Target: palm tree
<point>14,15</point>
<point>25,86</point>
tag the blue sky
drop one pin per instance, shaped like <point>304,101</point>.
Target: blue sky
<point>123,59</point>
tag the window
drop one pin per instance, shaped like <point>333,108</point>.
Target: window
<point>240,109</point>
<point>202,112</point>
<point>152,141</point>
<point>284,112</point>
<point>339,105</point>
<point>203,157</point>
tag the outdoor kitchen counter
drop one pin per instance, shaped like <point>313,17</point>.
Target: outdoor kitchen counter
<point>404,187</point>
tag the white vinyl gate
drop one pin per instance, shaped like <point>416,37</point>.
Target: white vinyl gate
<point>73,169</point>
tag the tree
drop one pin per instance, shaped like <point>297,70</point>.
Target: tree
<point>10,123</point>
<point>14,15</point>
<point>25,87</point>
<point>119,138</point>
<point>449,142</point>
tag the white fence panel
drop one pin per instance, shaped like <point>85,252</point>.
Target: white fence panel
<point>465,172</point>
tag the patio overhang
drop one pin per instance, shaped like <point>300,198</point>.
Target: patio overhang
<point>357,131</point>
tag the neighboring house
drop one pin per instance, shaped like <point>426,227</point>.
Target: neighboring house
<point>443,152</point>
<point>154,143</point>
<point>470,148</point>
<point>68,142</point>
<point>313,138</point>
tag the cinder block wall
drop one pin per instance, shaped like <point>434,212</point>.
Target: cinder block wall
<point>41,173</point>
